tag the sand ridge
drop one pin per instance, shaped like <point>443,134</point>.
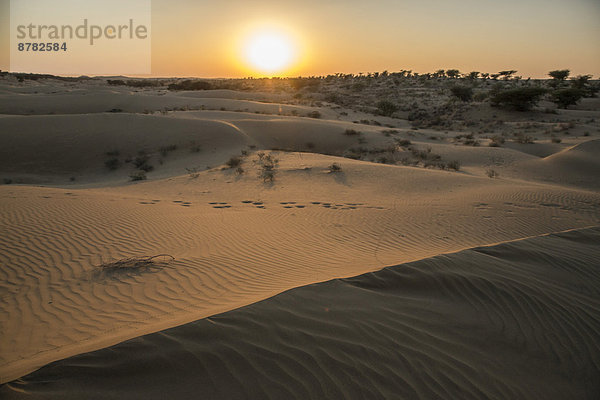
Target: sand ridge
<point>518,320</point>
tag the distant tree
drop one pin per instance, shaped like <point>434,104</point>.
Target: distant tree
<point>452,73</point>
<point>473,75</point>
<point>558,77</point>
<point>521,99</point>
<point>440,73</point>
<point>559,74</point>
<point>580,81</point>
<point>463,93</point>
<point>507,74</point>
<point>567,97</point>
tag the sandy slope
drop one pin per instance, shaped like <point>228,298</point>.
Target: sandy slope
<point>236,240</point>
<point>519,320</point>
<point>227,257</point>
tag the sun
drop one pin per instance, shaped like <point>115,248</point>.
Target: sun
<point>269,51</point>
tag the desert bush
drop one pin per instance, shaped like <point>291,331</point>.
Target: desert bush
<point>563,98</point>
<point>314,114</point>
<point>524,139</point>
<point>138,176</point>
<point>234,161</point>
<point>140,160</point>
<point>403,142</point>
<point>164,150</point>
<point>146,167</point>
<point>491,173</point>
<point>496,141</point>
<point>455,165</point>
<point>268,165</point>
<point>193,172</point>
<point>556,140</point>
<point>463,93</point>
<point>239,170</point>
<point>112,163</point>
<point>335,167</point>
<point>520,99</point>
<point>387,108</point>
<point>351,132</point>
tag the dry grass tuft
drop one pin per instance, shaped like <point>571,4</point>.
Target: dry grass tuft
<point>138,263</point>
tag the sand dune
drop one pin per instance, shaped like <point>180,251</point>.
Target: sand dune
<point>236,239</point>
<point>310,226</point>
<point>519,320</point>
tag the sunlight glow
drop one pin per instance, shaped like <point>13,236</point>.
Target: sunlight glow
<point>269,51</point>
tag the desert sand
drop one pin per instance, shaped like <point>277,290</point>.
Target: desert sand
<point>517,319</point>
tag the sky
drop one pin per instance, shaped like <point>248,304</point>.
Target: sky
<point>211,38</point>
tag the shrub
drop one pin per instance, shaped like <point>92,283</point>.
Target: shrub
<point>268,165</point>
<point>463,93</point>
<point>112,163</point>
<point>496,141</point>
<point>521,99</point>
<point>556,140</point>
<point>351,132</point>
<point>566,97</point>
<point>403,142</point>
<point>138,176</point>
<point>234,161</point>
<point>194,173</point>
<point>166,149</point>
<point>314,114</point>
<point>387,108</point>
<point>455,165</point>
<point>335,167</point>
<point>491,173</point>
<point>146,167</point>
<point>524,139</point>
<point>140,160</point>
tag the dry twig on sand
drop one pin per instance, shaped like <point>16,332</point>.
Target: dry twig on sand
<point>136,263</point>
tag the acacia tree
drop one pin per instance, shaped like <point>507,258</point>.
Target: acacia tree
<point>559,74</point>
<point>452,73</point>
<point>558,77</point>
<point>507,74</point>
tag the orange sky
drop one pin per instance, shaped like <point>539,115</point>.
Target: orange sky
<point>195,38</point>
